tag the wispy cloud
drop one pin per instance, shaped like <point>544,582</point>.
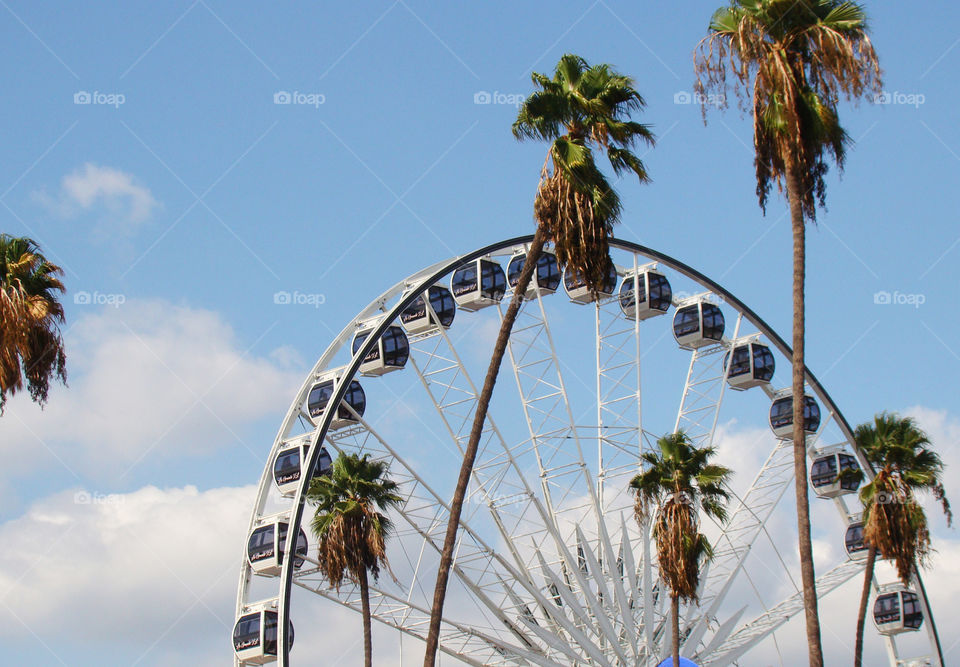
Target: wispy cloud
<point>92,188</point>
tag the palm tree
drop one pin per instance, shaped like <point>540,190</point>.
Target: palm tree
<point>581,109</point>
<point>31,347</point>
<point>895,525</point>
<point>679,481</point>
<point>792,61</point>
<point>351,527</point>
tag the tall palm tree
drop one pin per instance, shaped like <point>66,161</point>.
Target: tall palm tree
<point>351,526</point>
<point>581,109</point>
<point>31,348</point>
<point>791,62</point>
<point>894,523</point>
<point>679,481</point>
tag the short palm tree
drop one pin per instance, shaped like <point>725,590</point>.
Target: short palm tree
<point>31,348</point>
<point>581,109</point>
<point>894,523</point>
<point>679,482</point>
<point>351,526</point>
<point>792,61</point>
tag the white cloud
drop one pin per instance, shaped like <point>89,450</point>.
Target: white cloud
<point>92,186</point>
<point>148,378</point>
<point>138,560</point>
<point>149,576</point>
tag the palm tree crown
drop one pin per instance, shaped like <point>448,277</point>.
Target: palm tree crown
<point>900,454</point>
<point>582,107</point>
<point>677,480</point>
<point>31,347</point>
<point>797,58</point>
<point>349,522</point>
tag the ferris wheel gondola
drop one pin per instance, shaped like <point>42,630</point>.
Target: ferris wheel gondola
<point>255,637</point>
<point>390,353</point>
<point>897,611</point>
<point>751,364</point>
<point>578,291</point>
<point>853,541</point>
<point>289,464</point>
<point>781,415</point>
<point>698,324</point>
<point>477,284</point>
<point>644,294</point>
<point>835,474</point>
<point>266,544</point>
<point>545,279</point>
<point>416,318</point>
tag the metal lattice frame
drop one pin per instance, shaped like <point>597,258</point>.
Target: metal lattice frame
<point>568,576</point>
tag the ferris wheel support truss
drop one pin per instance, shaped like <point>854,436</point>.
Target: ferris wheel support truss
<point>594,592</point>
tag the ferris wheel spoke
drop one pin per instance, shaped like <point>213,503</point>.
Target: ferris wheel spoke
<point>499,480</point>
<point>468,643</point>
<point>745,525</point>
<point>546,408</point>
<point>740,532</point>
<point>425,512</point>
<point>620,434</point>
<point>724,631</point>
<point>593,566</point>
<point>704,390</point>
<point>562,588</point>
<point>759,628</point>
<point>619,443</point>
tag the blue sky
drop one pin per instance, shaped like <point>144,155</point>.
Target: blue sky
<point>182,198</point>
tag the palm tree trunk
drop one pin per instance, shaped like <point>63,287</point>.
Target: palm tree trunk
<point>675,620</point>
<point>367,639</point>
<point>808,577</point>
<point>864,597</point>
<point>470,455</point>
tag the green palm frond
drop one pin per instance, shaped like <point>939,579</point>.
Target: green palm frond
<point>844,16</point>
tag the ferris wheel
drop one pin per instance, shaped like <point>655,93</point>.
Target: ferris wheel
<point>551,567</point>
